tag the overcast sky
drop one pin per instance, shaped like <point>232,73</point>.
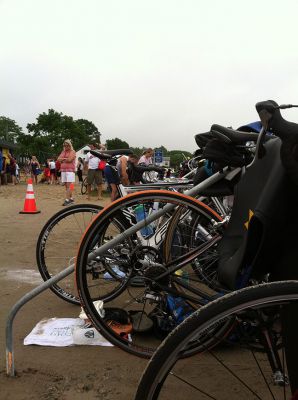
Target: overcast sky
<point>149,72</point>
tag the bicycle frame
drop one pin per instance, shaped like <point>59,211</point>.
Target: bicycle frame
<point>183,260</point>
<point>154,216</point>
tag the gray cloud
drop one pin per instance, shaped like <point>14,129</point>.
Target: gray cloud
<point>150,73</point>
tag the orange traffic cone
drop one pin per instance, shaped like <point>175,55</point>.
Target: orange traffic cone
<point>29,205</point>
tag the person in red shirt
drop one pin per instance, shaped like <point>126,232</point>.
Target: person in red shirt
<point>47,173</point>
<point>58,171</point>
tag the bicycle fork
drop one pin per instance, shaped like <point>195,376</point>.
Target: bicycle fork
<point>279,376</point>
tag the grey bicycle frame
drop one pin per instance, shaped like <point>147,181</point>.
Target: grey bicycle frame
<point>124,190</point>
<point>132,230</point>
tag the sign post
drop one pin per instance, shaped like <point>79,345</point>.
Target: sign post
<point>158,156</point>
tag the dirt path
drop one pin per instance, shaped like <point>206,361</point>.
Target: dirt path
<point>48,373</point>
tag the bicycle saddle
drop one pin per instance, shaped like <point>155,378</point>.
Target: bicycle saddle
<point>229,135</point>
<point>107,154</point>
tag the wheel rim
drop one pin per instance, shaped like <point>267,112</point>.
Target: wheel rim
<point>230,370</point>
<point>57,247</point>
<point>144,298</point>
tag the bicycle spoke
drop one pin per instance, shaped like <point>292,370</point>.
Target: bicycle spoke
<point>149,284</point>
<point>192,386</point>
<point>246,362</point>
<point>57,245</point>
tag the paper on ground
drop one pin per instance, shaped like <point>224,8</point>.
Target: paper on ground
<point>60,332</point>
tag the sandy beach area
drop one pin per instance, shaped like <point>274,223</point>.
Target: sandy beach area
<point>49,373</point>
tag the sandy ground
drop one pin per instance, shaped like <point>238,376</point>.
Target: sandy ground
<point>78,372</point>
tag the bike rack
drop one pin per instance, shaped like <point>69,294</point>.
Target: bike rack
<point>10,370</point>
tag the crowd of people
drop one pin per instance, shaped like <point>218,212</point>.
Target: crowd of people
<point>64,168</point>
<point>9,169</point>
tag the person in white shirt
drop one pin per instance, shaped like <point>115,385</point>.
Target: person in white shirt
<point>94,173</point>
<point>17,173</point>
<point>52,167</point>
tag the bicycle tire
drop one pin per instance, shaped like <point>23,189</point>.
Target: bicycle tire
<point>89,294</point>
<point>205,269</point>
<point>163,363</point>
<point>44,239</point>
<point>84,186</point>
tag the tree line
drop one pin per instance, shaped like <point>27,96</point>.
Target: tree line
<point>45,137</point>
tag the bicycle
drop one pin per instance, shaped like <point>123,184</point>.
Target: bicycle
<point>51,260</point>
<point>56,246</point>
<point>264,312</point>
<point>232,368</point>
<point>172,257</point>
<point>84,186</point>
<point>60,236</point>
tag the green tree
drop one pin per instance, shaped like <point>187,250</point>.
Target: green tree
<point>47,134</point>
<point>89,130</point>
<point>113,144</point>
<point>9,130</point>
<point>137,150</point>
<point>177,156</point>
<point>37,146</point>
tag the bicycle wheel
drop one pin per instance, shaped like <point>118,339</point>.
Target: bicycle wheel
<point>130,273</point>
<point>84,186</point>
<point>188,231</point>
<point>235,371</point>
<point>57,245</point>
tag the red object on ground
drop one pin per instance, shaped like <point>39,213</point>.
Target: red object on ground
<point>29,204</point>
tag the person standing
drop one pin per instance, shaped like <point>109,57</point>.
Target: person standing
<point>1,165</point>
<point>146,158</point>
<point>52,167</point>
<point>3,172</point>
<point>35,168</point>
<point>27,169</point>
<point>80,167</point>
<point>58,171</point>
<point>67,159</point>
<point>94,173</point>
<point>12,168</point>
<point>18,175</point>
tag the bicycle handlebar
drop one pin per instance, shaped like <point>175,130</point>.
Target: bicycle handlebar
<point>272,120</point>
<point>269,112</point>
<point>108,154</point>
